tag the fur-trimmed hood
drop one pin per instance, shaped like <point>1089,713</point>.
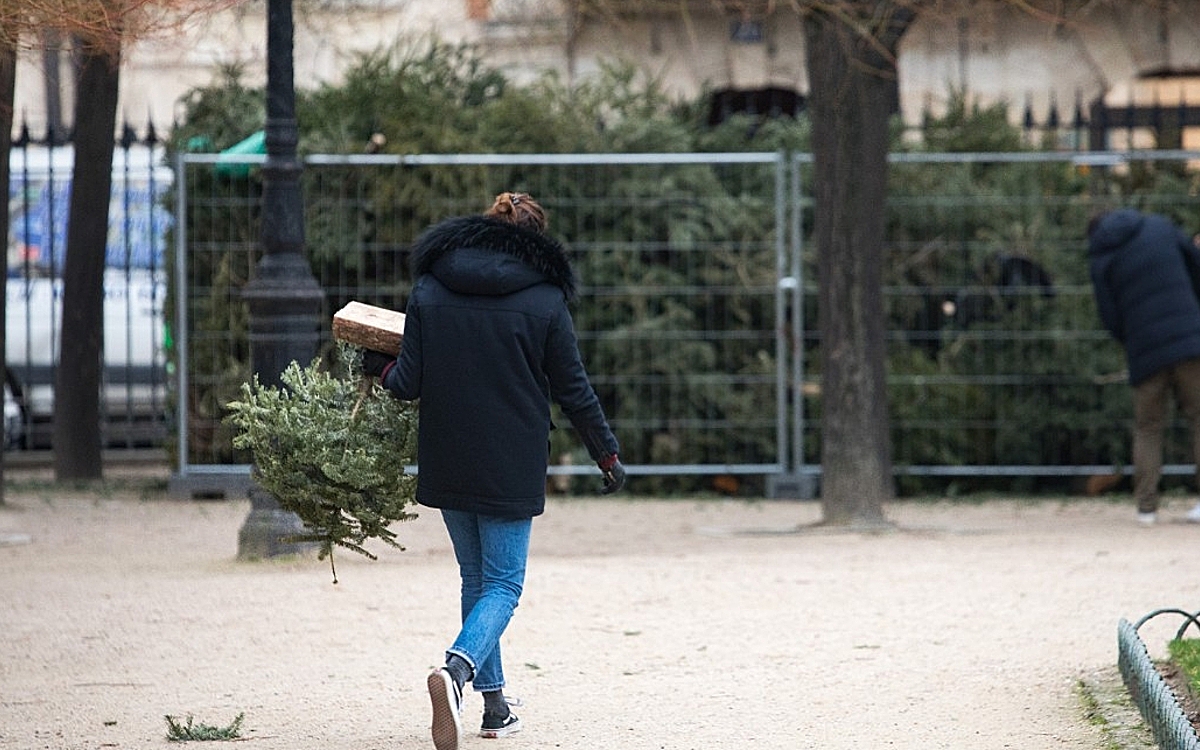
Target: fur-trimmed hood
<point>480,255</point>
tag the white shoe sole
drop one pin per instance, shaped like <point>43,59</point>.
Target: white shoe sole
<point>492,734</point>
<point>446,727</point>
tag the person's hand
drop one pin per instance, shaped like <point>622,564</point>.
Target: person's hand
<point>375,364</point>
<point>614,474</point>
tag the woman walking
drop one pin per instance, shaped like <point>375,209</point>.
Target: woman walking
<point>488,345</point>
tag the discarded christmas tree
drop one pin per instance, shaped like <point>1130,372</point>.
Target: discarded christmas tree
<point>332,448</point>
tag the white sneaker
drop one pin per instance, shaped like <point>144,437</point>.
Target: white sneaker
<point>1193,515</point>
<point>1147,519</point>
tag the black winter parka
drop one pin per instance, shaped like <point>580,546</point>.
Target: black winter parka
<point>1145,273</point>
<point>488,344</point>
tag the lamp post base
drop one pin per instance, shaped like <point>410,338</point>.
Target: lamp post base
<point>270,531</point>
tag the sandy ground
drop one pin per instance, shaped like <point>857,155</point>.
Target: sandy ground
<point>668,624</point>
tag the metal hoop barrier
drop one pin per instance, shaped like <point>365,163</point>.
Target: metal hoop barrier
<point>1150,693</point>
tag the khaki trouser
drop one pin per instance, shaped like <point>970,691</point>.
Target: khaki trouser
<point>1150,401</point>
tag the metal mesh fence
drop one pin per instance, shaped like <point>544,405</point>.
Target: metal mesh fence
<point>697,315</point>
<point>997,363</point>
<point>677,316</point>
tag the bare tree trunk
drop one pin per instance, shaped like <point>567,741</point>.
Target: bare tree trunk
<point>8,93</point>
<point>77,442</point>
<point>851,93</point>
<point>51,74</point>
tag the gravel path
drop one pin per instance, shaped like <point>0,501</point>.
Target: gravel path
<point>645,624</point>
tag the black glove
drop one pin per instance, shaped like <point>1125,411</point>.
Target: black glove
<point>375,363</point>
<point>614,474</point>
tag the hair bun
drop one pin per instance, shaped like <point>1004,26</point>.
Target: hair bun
<point>520,209</point>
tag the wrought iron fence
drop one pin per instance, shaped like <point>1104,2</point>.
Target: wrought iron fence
<point>134,377</point>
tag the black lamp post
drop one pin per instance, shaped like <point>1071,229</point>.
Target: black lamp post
<point>284,298</point>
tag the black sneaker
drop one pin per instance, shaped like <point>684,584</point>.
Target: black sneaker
<point>446,698</point>
<point>495,725</point>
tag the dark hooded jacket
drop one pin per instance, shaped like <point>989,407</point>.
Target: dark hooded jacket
<point>488,344</point>
<point>1145,273</point>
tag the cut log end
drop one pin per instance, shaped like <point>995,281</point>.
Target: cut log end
<point>369,327</point>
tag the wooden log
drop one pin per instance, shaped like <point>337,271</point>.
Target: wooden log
<point>369,327</point>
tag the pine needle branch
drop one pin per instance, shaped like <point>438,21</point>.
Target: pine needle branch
<point>331,448</point>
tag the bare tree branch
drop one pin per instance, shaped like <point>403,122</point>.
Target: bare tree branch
<point>102,24</point>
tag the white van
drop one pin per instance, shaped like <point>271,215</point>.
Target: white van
<point>134,375</point>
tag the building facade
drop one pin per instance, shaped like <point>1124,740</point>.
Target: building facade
<point>745,54</point>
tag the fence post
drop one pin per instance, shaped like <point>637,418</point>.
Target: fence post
<point>794,480</point>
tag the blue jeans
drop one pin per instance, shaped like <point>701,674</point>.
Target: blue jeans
<point>491,554</point>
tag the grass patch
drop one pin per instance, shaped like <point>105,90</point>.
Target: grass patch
<point>1092,711</point>
<point>189,731</point>
<point>1185,653</point>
